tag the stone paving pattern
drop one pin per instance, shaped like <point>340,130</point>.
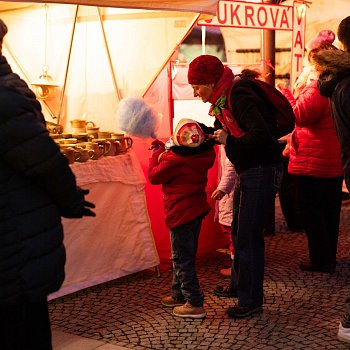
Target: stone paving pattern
<point>301,311</point>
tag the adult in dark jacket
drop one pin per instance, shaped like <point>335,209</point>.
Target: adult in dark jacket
<point>256,155</point>
<point>37,187</point>
<point>334,83</point>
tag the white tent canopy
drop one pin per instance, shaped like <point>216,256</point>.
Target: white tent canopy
<point>201,6</point>
<point>97,55</point>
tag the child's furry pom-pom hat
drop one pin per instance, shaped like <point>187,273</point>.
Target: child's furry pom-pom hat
<point>188,133</point>
<point>136,117</point>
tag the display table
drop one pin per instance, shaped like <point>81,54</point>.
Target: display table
<point>119,240</point>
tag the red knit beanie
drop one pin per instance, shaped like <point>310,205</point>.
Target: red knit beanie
<point>205,69</point>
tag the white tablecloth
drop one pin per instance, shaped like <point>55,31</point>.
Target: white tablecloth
<point>119,240</point>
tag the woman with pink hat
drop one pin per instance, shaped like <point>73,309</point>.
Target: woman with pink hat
<point>308,74</point>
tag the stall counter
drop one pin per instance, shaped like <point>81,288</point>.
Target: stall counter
<point>119,240</point>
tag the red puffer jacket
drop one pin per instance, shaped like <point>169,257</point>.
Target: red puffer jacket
<point>184,180</point>
<point>314,146</point>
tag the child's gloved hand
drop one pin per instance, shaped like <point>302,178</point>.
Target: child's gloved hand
<point>156,143</point>
<point>157,147</point>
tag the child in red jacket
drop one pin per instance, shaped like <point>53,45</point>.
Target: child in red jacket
<point>181,167</point>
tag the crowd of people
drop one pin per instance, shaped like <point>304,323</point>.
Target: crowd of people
<point>334,84</point>
<point>32,254</point>
<point>318,154</point>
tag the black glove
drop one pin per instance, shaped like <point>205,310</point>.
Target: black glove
<point>80,208</point>
<point>86,205</point>
<point>156,144</point>
<point>157,147</point>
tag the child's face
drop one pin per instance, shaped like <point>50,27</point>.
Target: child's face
<point>203,91</point>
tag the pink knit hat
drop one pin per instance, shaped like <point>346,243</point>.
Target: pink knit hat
<point>324,35</point>
<point>205,69</point>
<point>188,133</point>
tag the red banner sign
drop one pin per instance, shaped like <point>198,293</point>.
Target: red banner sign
<point>251,15</point>
<point>298,47</point>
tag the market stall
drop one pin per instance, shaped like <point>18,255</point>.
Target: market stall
<point>119,240</point>
<point>99,55</point>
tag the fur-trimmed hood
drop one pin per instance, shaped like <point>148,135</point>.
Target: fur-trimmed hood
<point>335,66</point>
<point>333,61</point>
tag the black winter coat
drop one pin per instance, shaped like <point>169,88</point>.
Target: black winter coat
<point>336,86</point>
<point>257,147</point>
<point>36,188</point>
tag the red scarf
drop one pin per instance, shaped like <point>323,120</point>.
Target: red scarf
<point>219,104</point>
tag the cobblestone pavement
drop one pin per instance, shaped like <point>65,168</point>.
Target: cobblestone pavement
<point>301,311</point>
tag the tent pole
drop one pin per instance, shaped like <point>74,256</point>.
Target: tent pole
<point>194,22</point>
<point>109,55</point>
<point>67,66</point>
<point>203,39</point>
<point>268,45</point>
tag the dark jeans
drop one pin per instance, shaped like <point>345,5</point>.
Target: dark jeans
<point>320,200</point>
<point>254,195</point>
<point>25,326</point>
<point>184,244</point>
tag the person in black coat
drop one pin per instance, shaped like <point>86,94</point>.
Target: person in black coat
<point>334,83</point>
<point>37,188</point>
<point>244,124</point>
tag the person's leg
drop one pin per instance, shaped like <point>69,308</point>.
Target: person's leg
<point>236,208</point>
<point>176,286</point>
<point>289,199</point>
<point>258,188</point>
<point>344,325</point>
<point>270,227</point>
<point>37,326</point>
<point>314,201</point>
<point>226,272</point>
<point>332,209</point>
<point>25,326</point>
<point>227,230</point>
<point>176,298</point>
<point>10,331</point>
<point>311,199</point>
<point>227,291</point>
<point>184,244</point>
